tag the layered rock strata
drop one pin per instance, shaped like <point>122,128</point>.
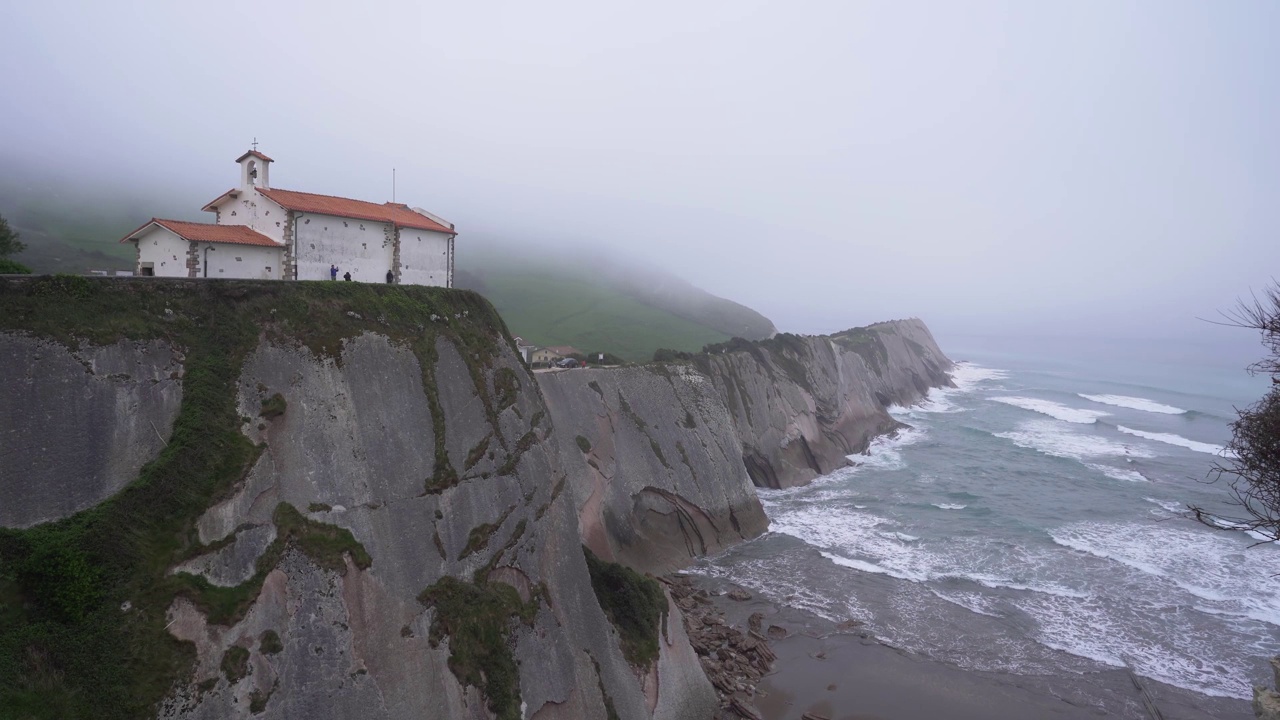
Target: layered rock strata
<point>335,497</point>
<point>653,464</point>
<point>77,423</point>
<point>801,404</point>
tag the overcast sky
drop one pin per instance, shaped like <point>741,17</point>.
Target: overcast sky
<point>990,167</point>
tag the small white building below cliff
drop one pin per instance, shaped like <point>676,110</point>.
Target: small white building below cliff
<point>265,233</point>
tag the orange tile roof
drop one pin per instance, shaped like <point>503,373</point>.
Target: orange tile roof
<point>204,232</point>
<point>256,154</point>
<point>396,213</point>
<point>212,205</point>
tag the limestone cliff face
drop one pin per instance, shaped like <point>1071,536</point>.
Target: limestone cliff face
<point>350,500</point>
<point>352,449</point>
<point>801,404</point>
<point>79,422</point>
<point>653,464</point>
<point>393,446</point>
<point>661,458</point>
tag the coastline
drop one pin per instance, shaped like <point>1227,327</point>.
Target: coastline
<point>842,672</point>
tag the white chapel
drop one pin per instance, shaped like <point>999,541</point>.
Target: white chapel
<point>264,233</point>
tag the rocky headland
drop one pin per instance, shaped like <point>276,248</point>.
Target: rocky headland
<point>254,499</point>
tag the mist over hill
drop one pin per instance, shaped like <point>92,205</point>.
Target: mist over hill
<point>592,298</point>
<point>595,300</point>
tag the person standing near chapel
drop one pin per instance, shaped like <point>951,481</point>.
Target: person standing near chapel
<point>333,272</point>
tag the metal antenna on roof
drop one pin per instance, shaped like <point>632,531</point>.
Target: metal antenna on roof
<point>255,142</point>
<point>393,184</point>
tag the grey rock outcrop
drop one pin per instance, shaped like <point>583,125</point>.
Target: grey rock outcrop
<point>801,404</point>
<point>353,448</point>
<point>79,424</point>
<point>661,458</point>
<point>441,458</point>
<point>653,464</point>
<point>1266,702</point>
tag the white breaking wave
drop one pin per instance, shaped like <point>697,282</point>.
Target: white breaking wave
<point>967,376</point>
<point>1063,441</point>
<point>884,452</point>
<point>937,401</point>
<point>949,506</point>
<point>871,567</point>
<point>1171,439</point>
<point>1172,506</point>
<point>1170,566</point>
<point>993,581</point>
<point>971,601</point>
<point>1135,403</point>
<point>1053,409</point>
<point>1205,564</point>
<point>1119,473</point>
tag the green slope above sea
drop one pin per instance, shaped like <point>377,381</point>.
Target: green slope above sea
<point>595,303</point>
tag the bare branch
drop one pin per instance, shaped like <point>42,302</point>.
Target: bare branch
<point>1251,464</point>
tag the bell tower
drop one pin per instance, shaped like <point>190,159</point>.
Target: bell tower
<point>255,169</point>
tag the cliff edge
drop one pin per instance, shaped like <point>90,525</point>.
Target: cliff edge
<point>260,499</point>
<point>281,500</point>
<point>801,404</point>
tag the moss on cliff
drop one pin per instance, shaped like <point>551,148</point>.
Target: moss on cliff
<point>273,407</point>
<point>83,600</point>
<point>476,618</point>
<point>635,604</point>
<point>867,343</point>
<point>325,544</point>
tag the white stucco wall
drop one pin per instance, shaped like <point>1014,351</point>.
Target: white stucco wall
<point>359,247</point>
<point>244,262</point>
<point>424,257</point>
<point>164,250</point>
<point>255,210</point>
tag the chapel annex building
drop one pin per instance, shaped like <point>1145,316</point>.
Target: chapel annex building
<point>263,233</point>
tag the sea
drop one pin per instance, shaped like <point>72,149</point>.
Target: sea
<point>1033,520</point>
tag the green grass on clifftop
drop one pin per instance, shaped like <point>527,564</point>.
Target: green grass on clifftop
<point>83,600</point>
<point>560,309</point>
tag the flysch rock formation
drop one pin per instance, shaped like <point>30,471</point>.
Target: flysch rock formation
<point>654,466</point>
<point>394,452</point>
<point>79,422</point>
<point>353,446</point>
<point>802,404</point>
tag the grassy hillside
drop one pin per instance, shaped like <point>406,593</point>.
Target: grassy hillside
<point>558,308</point>
<point>594,301</point>
<point>73,225</point>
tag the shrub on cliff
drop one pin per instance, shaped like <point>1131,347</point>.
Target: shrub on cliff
<point>13,267</point>
<point>669,355</point>
<point>635,604</point>
<point>1251,465</point>
<point>9,243</point>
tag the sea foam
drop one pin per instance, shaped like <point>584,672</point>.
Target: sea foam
<point>1135,403</point>
<point>1119,473</point>
<point>1055,410</point>
<point>884,452</point>
<point>1063,441</point>
<point>1171,439</point>
<point>966,376</point>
